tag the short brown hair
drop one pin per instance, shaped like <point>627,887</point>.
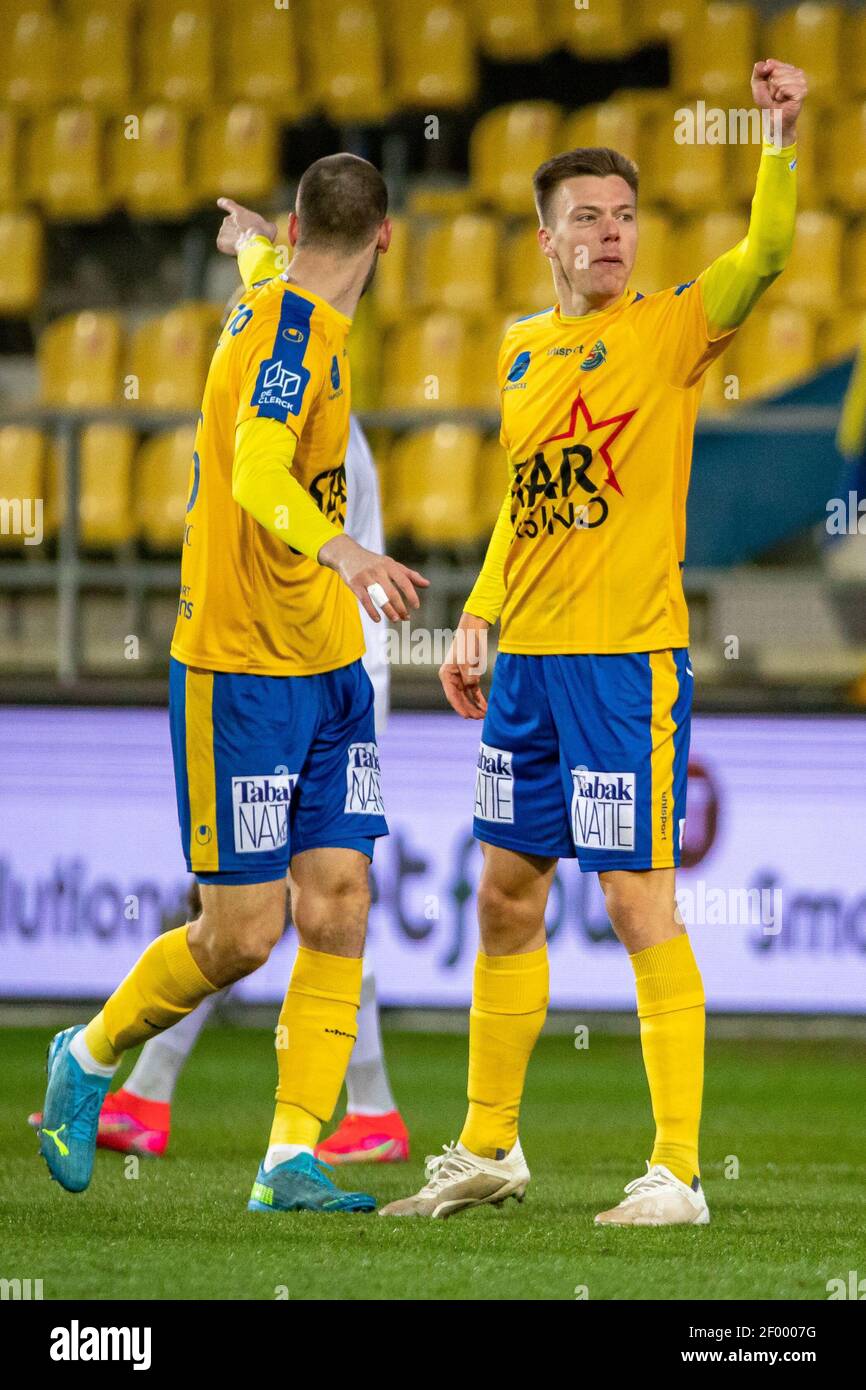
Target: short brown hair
<point>599,161</point>
<point>342,200</point>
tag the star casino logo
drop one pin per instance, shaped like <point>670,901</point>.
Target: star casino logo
<point>549,494</point>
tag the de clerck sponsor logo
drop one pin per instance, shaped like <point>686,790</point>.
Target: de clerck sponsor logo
<point>77,1343</point>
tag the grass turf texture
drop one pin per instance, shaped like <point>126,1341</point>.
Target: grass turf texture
<point>791,1113</point>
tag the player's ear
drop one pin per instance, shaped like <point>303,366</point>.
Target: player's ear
<point>544,242</point>
<point>293,229</point>
<point>385,231</point>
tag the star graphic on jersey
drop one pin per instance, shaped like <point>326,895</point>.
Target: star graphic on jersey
<point>618,421</point>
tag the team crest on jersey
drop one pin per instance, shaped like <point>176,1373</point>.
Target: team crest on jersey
<point>260,811</point>
<point>595,358</point>
<point>519,367</point>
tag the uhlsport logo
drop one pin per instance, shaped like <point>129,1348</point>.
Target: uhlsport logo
<point>602,809</point>
<point>520,366</point>
<point>595,358</point>
<point>260,809</point>
<point>363,785</point>
<point>494,785</point>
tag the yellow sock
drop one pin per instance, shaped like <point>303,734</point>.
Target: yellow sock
<point>670,1006</point>
<point>164,985</point>
<point>509,1004</point>
<point>315,1037</point>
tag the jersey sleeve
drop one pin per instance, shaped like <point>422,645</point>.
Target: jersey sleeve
<point>259,260</point>
<point>283,364</point>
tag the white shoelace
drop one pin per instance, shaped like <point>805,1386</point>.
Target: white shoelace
<point>443,1168</point>
<point>650,1182</point>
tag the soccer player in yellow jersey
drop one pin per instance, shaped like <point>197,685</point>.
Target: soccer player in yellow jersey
<point>271,710</point>
<point>585,740</point>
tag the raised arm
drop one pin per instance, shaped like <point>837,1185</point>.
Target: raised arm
<point>735,281</point>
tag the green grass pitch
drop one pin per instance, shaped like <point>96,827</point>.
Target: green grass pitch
<point>790,1113</point>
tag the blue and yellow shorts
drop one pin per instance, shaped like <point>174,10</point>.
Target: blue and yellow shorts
<point>266,767</point>
<point>587,756</point>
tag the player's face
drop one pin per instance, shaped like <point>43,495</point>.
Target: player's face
<point>592,235</point>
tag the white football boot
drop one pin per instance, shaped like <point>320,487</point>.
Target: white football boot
<point>658,1199</point>
<point>458,1179</point>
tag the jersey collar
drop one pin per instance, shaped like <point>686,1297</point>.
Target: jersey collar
<point>598,314</point>
<point>322,304</point>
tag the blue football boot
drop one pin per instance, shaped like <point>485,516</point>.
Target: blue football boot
<point>70,1115</point>
<point>302,1184</point>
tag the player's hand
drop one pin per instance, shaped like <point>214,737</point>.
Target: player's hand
<point>239,224</point>
<point>780,87</point>
<point>463,667</point>
<point>361,569</point>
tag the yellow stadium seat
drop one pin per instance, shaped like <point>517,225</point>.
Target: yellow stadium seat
<point>258,52</point>
<point>434,472</point>
<point>854,50</point>
<point>617,124</point>
<point>151,171</point>
<point>22,482</point>
<point>812,279</point>
<point>701,240</point>
<point>67,163</point>
<point>855,262</point>
<point>390,284</point>
<point>237,154</point>
<point>79,360</point>
<point>742,165</point>
<point>439,199</point>
<point>10,187</point>
<point>177,52</point>
<point>98,53</point>
<point>848,158</point>
<point>774,350</point>
<point>810,37</point>
<point>655,242</point>
<point>687,177</point>
<point>527,282</point>
<point>426,363</point>
<point>433,55</point>
<point>480,388</point>
<point>661,20</point>
<point>350,74</point>
<point>514,33</point>
<point>105,460</point>
<point>506,147</point>
<point>21,243</point>
<point>29,69</point>
<point>596,31</point>
<point>493,481</point>
<point>170,355</point>
<point>841,336</point>
<point>713,55</point>
<point>364,355</point>
<point>458,264</point>
<point>163,478</point>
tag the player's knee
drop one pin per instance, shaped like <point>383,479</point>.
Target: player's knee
<point>503,909</point>
<point>237,947</point>
<point>633,900</point>
<point>333,913</point>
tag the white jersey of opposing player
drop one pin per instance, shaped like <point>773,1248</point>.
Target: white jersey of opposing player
<point>364,525</point>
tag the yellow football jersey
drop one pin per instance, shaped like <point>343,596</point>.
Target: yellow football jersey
<point>249,603</point>
<point>598,414</point>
